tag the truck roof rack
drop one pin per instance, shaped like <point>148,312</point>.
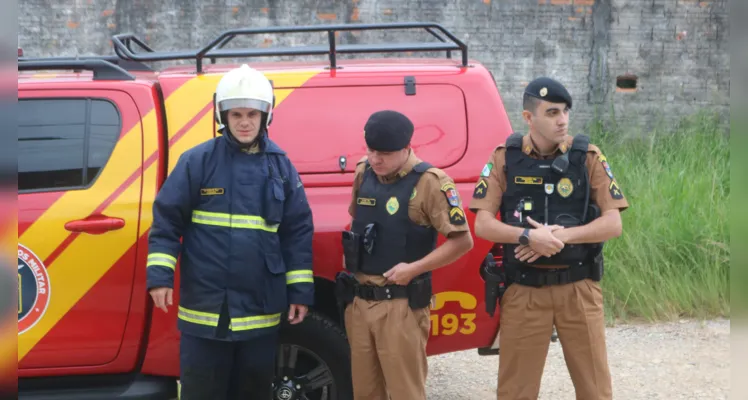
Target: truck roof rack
<point>123,44</point>
<point>102,69</point>
<point>128,65</point>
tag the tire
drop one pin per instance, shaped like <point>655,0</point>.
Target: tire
<point>313,361</point>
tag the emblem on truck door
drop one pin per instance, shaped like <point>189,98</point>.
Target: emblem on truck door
<point>33,289</point>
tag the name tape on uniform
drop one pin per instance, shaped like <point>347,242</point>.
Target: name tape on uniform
<point>212,191</point>
<point>363,201</point>
<point>528,180</point>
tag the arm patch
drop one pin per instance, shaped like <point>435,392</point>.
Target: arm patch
<point>615,191</point>
<point>457,216</point>
<point>480,189</point>
<point>604,161</point>
<point>450,192</point>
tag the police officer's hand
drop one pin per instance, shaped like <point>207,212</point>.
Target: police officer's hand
<point>400,274</point>
<point>162,297</point>
<point>542,240</point>
<point>527,253</point>
<point>297,313</point>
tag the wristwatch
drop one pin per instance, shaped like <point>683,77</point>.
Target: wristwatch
<point>524,238</point>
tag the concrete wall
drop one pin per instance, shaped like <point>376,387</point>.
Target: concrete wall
<point>676,49</point>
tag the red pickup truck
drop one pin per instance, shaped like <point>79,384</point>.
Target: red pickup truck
<point>97,136</point>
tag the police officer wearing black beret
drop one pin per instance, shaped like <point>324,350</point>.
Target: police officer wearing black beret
<point>557,202</point>
<point>399,205</point>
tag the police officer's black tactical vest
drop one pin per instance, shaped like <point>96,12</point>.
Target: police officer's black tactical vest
<point>531,184</point>
<point>395,237</point>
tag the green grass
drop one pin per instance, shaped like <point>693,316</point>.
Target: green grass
<point>672,260</point>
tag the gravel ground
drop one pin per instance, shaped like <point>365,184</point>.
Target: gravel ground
<point>687,360</point>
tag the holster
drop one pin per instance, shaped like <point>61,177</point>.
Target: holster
<point>352,251</point>
<point>345,285</point>
<point>495,283</point>
<point>598,266</point>
<point>419,293</point>
<point>344,292</point>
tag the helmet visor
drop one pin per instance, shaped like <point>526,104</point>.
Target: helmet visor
<point>228,104</point>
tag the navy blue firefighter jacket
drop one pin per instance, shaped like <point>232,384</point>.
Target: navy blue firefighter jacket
<point>246,230</point>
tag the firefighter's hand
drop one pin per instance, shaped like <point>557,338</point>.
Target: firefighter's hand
<point>400,274</point>
<point>162,297</point>
<point>297,313</point>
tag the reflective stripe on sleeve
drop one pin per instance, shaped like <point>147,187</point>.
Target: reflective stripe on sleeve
<point>161,259</point>
<point>300,276</point>
<point>232,221</point>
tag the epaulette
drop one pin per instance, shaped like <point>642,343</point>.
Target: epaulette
<point>422,167</point>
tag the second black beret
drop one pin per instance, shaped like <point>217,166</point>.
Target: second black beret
<point>388,130</point>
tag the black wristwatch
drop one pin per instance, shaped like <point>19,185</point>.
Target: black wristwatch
<point>524,238</point>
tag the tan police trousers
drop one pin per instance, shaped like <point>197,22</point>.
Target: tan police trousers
<point>388,349</point>
<point>527,318</point>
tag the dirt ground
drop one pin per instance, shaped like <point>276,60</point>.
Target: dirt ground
<point>681,360</point>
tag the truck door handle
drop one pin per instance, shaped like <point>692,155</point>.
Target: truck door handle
<point>95,224</point>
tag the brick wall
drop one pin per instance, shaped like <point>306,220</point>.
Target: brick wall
<point>676,50</point>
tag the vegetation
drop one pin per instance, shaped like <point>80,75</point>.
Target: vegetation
<point>673,259</point>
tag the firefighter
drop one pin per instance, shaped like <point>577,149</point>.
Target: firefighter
<point>399,205</point>
<point>558,202</point>
<point>235,211</point>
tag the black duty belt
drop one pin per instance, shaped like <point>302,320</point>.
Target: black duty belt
<point>531,276</point>
<point>380,293</point>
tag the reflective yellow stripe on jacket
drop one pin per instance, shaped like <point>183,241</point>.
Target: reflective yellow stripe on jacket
<point>300,276</point>
<point>161,259</point>
<point>237,324</point>
<point>233,221</point>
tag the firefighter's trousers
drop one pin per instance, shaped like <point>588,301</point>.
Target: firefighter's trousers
<point>216,370</point>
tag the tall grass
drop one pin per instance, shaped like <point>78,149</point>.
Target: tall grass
<point>672,260</point>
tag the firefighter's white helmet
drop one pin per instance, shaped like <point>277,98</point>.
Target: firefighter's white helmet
<point>244,87</point>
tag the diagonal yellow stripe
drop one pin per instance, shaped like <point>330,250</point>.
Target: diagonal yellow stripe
<point>190,98</point>
<point>72,283</point>
<point>69,282</point>
<point>48,231</point>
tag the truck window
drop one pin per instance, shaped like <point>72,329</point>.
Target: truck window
<point>64,143</point>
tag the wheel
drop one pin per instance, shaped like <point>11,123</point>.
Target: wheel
<point>313,361</point>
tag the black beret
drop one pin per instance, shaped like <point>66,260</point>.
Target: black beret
<point>549,90</point>
<point>388,130</point>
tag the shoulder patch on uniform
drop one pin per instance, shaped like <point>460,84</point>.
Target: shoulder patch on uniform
<point>604,161</point>
<point>486,170</point>
<point>615,191</point>
<point>480,189</point>
<point>446,185</point>
<point>450,191</point>
<point>457,216</point>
